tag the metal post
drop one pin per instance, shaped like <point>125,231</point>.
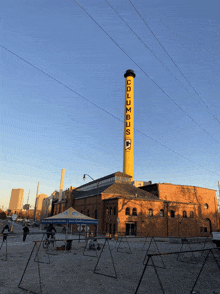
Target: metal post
<point>36,202</point>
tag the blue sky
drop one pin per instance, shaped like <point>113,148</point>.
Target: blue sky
<point>62,91</point>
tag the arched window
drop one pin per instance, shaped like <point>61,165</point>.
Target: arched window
<point>191,214</point>
<point>161,213</point>
<point>134,211</point>
<point>206,206</point>
<point>127,211</point>
<point>150,212</point>
<point>172,213</point>
<point>106,210</point>
<point>184,214</point>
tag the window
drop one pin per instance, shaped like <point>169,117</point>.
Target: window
<point>96,213</point>
<point>110,211</point>
<point>110,228</point>
<point>127,211</point>
<point>203,230</point>
<point>191,214</point>
<point>134,211</point>
<point>206,206</point>
<point>172,213</point>
<point>106,211</point>
<point>88,213</point>
<point>81,211</point>
<point>184,214</point>
<point>150,212</point>
<point>114,210</point>
<point>161,213</point>
<point>106,227</point>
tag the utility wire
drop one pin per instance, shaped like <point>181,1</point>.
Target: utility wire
<point>163,48</point>
<point>146,73</point>
<point>174,63</point>
<point>56,80</point>
<point>102,109</point>
<point>145,44</point>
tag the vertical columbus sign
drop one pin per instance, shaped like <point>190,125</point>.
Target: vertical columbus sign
<point>128,158</point>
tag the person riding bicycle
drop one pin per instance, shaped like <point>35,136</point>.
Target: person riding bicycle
<point>49,231</point>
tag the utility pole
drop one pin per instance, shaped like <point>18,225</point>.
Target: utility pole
<point>36,202</point>
<point>27,205</point>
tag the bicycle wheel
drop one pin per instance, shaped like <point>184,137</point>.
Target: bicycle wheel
<point>45,244</point>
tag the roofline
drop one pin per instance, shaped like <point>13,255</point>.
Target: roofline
<point>103,178</point>
<point>179,185</point>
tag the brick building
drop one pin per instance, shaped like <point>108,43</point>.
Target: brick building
<point>154,209</point>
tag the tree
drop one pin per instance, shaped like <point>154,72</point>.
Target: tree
<point>3,215</point>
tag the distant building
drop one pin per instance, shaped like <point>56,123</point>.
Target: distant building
<point>16,199</point>
<point>48,205</point>
<point>140,183</point>
<point>40,199</point>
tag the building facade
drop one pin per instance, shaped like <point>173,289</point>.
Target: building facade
<point>16,199</point>
<point>162,210</point>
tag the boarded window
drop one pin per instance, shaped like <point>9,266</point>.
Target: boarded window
<point>150,212</point>
<point>161,213</point>
<point>191,214</point>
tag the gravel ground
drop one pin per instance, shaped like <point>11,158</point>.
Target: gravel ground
<point>73,271</point>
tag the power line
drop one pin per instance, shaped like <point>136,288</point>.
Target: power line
<point>163,48</point>
<point>146,73</point>
<point>102,109</point>
<point>145,44</point>
<point>174,63</point>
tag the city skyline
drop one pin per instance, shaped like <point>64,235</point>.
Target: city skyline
<point>63,92</point>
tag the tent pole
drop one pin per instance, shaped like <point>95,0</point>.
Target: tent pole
<point>66,230</point>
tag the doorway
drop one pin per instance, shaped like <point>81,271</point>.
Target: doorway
<point>131,228</point>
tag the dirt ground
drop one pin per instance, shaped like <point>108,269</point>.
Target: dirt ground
<point>116,268</point>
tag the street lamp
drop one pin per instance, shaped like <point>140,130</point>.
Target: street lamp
<point>96,214</point>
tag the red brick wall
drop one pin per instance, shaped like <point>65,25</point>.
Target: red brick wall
<point>196,195</point>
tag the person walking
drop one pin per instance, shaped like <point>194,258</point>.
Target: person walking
<point>4,233</point>
<point>25,232</point>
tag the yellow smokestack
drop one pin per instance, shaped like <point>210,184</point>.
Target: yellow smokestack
<point>128,158</point>
<point>61,184</point>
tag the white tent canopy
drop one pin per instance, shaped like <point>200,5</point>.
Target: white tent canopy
<point>70,216</point>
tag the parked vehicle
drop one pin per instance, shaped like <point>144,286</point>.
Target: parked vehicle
<point>216,238</point>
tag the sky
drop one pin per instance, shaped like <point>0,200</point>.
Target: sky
<point>62,92</point>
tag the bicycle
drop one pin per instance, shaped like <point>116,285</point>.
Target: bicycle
<point>49,241</point>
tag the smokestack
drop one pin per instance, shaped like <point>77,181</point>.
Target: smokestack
<point>128,158</point>
<point>61,184</point>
